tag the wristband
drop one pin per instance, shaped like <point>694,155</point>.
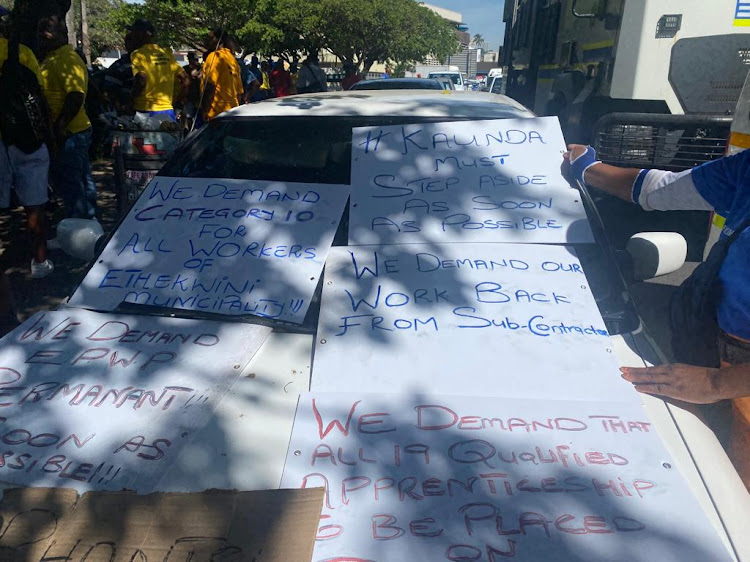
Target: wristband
<point>580,164</point>
<point>635,194</point>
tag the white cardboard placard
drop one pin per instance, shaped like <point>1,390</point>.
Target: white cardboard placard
<point>424,477</point>
<point>463,181</point>
<point>105,402</point>
<point>223,246</point>
<point>489,319</point>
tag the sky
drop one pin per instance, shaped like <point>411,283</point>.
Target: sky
<point>482,16</point>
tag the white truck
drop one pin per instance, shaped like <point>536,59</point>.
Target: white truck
<point>648,83</point>
<point>583,59</point>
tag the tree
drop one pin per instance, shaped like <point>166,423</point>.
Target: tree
<point>104,33</point>
<point>186,22</point>
<point>361,33</point>
<point>402,31</point>
<point>478,41</point>
<point>286,28</point>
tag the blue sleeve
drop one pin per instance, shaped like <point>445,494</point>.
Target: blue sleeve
<point>721,182</point>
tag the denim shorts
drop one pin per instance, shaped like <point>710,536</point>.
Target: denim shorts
<point>26,173</point>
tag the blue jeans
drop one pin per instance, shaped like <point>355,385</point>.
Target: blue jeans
<point>72,174</point>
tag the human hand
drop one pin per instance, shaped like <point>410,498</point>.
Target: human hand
<point>59,133</point>
<point>698,385</point>
<point>576,161</point>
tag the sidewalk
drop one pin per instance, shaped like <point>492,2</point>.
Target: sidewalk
<point>32,295</point>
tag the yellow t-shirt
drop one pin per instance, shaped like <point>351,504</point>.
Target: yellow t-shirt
<point>63,72</point>
<point>25,57</point>
<point>160,68</point>
<point>221,68</point>
<point>266,83</point>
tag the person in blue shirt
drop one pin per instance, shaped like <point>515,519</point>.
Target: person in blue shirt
<point>723,186</point>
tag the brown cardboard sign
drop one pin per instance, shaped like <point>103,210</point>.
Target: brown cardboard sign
<point>218,525</point>
<point>29,518</point>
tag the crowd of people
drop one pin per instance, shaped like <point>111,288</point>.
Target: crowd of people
<point>149,84</point>
<point>55,108</point>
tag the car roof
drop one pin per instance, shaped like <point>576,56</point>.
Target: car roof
<point>374,103</point>
<point>391,81</point>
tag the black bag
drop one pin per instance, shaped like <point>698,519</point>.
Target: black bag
<point>23,119</point>
<point>692,310</point>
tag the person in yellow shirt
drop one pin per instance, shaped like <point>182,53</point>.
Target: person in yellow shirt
<point>24,156</point>
<point>154,72</point>
<point>65,81</point>
<point>221,83</point>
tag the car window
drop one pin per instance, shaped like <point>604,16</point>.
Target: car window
<point>318,150</point>
<point>313,150</point>
<point>455,78</point>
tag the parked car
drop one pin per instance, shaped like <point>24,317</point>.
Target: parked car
<point>398,84</point>
<point>456,77</point>
<point>445,82</point>
<point>307,138</point>
<point>494,85</point>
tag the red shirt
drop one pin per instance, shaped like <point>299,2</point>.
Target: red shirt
<point>349,81</point>
<point>281,82</point>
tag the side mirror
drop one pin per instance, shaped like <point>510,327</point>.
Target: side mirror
<point>656,253</point>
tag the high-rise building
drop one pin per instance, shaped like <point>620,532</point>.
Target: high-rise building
<point>466,58</point>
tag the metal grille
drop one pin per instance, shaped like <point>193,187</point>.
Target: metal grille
<point>668,142</point>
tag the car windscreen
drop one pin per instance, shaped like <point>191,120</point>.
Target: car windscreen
<point>318,150</point>
<point>455,78</point>
<point>293,149</point>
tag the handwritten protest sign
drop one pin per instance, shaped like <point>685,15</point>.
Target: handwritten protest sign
<point>503,319</point>
<point>221,246</point>
<point>481,479</point>
<point>100,401</point>
<point>472,181</point>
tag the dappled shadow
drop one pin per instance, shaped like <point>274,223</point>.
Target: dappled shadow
<point>424,477</point>
<point>197,455</point>
<point>218,459</point>
<point>227,247</point>
<point>32,295</point>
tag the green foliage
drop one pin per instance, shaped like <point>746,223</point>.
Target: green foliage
<point>177,22</point>
<point>104,32</point>
<point>356,31</point>
<point>365,33</point>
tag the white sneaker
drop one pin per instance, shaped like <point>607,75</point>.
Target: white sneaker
<point>53,244</point>
<point>39,270</point>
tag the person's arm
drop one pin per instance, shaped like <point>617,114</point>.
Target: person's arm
<point>239,82</point>
<point>184,80</point>
<point>579,163</point>
<point>137,64</point>
<point>75,79</point>
<point>252,89</point>
<point>658,190</point>
<point>139,83</point>
<point>208,86</point>
<point>71,107</point>
<point>209,89</point>
<point>699,385</point>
